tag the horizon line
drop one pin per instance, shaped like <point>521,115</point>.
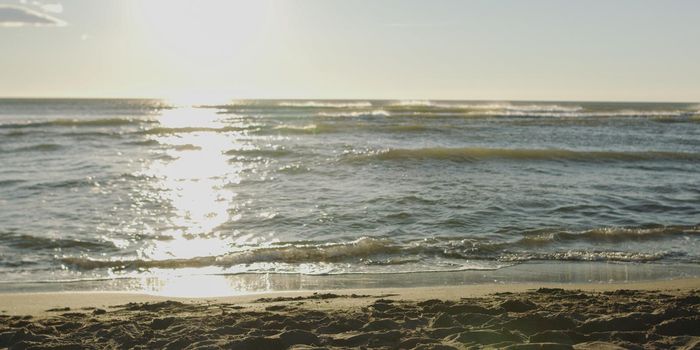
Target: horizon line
<point>345,99</point>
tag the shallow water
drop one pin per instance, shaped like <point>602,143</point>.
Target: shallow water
<point>107,189</point>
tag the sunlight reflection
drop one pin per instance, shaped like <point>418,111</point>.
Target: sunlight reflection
<point>192,180</point>
<point>195,285</point>
<point>190,117</point>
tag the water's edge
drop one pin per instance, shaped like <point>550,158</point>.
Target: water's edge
<point>184,285</point>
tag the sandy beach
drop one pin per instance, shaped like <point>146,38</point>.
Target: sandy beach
<point>377,174</point>
<point>660,314</point>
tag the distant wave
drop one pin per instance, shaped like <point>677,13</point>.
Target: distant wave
<point>268,153</point>
<point>472,109</point>
<point>149,142</point>
<point>265,104</point>
<point>413,103</point>
<point>168,130</point>
<point>373,113</point>
<point>516,112</point>
<point>77,123</point>
<point>529,110</point>
<point>11,182</point>
<point>326,104</point>
<point>31,242</point>
<point>322,128</point>
<point>301,129</point>
<point>483,106</point>
<point>78,182</point>
<point>62,183</point>
<point>42,147</point>
<point>186,147</point>
<point>473,154</point>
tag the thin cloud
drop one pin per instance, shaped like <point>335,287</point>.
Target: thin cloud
<point>421,25</point>
<point>17,16</point>
<point>53,8</point>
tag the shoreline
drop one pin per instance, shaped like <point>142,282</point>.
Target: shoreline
<point>186,285</point>
<point>37,303</point>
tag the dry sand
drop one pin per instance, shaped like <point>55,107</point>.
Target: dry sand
<point>664,314</point>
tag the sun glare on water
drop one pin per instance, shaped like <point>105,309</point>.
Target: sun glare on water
<point>192,177</point>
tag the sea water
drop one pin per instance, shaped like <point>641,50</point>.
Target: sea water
<point>132,189</point>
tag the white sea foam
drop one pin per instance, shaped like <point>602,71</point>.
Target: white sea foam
<point>438,185</point>
<point>385,252</point>
<point>374,113</point>
<point>326,104</point>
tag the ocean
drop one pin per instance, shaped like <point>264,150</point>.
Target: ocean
<point>132,193</point>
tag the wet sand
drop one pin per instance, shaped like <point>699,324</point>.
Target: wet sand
<point>663,314</point>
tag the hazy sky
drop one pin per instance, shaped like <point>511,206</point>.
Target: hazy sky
<point>490,49</point>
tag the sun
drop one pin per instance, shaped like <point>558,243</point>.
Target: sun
<point>215,25</point>
<point>203,46</point>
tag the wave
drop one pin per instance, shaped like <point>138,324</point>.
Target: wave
<point>43,147</point>
<point>612,234</point>
<point>293,169</point>
<point>267,153</point>
<point>303,129</point>
<point>423,105</point>
<point>409,104</point>
<point>471,109</point>
<point>78,123</point>
<point>82,182</point>
<point>186,147</point>
<point>407,128</point>
<point>30,242</point>
<point>69,183</point>
<point>325,104</point>
<point>166,130</point>
<point>323,128</point>
<point>11,182</point>
<point>469,154</point>
<point>149,142</point>
<point>364,113</point>
<point>508,109</point>
<point>413,103</point>
<point>373,251</point>
<point>590,114</point>
<point>345,254</point>
<point>360,248</point>
<point>575,255</point>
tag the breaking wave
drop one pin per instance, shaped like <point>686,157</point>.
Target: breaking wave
<point>439,108</point>
<point>365,113</point>
<point>325,104</point>
<point>302,129</point>
<point>377,251</point>
<point>504,109</point>
<point>608,234</point>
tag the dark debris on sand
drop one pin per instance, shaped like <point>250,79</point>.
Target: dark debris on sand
<point>541,319</point>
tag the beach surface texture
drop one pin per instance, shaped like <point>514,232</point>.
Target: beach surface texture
<point>662,314</point>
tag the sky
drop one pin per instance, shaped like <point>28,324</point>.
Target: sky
<point>211,50</point>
